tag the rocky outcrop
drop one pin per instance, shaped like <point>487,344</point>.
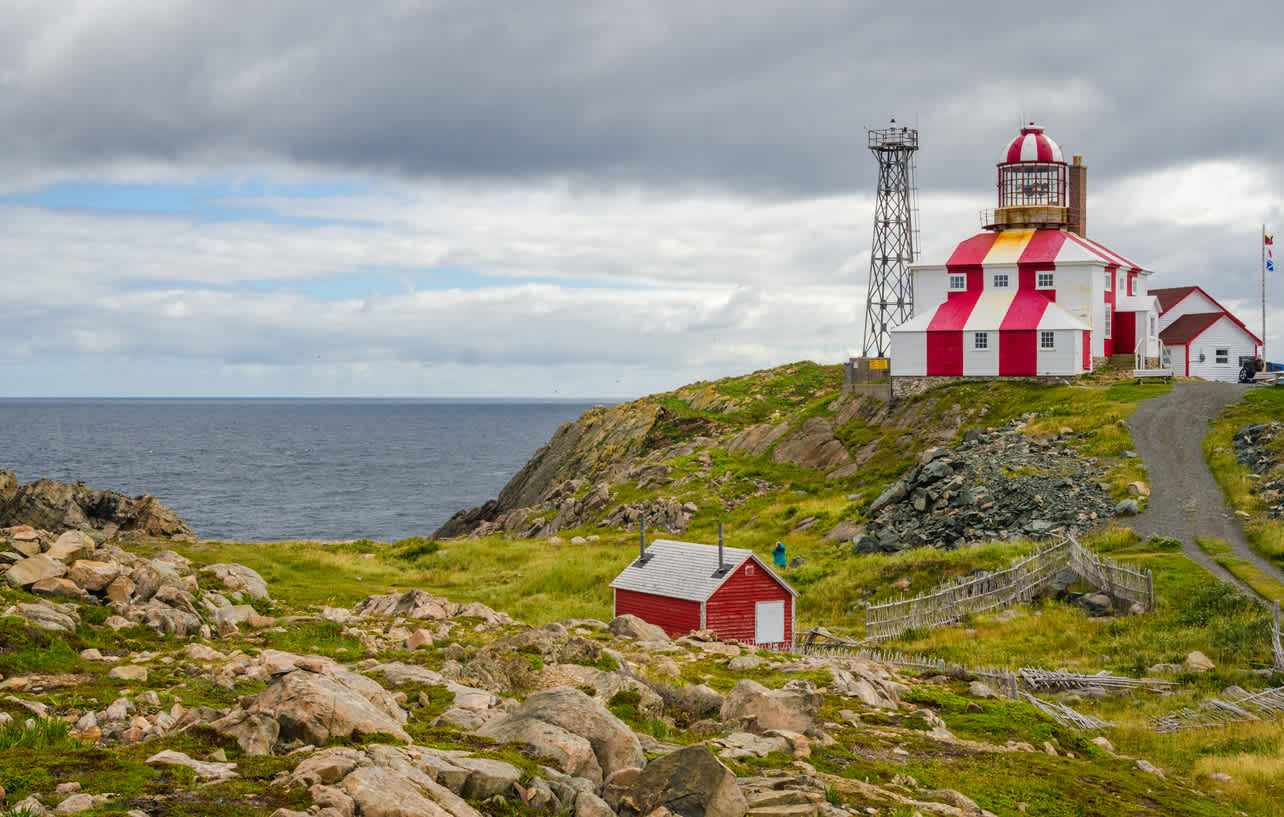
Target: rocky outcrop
<point>812,445</point>
<point>59,506</point>
<point>561,722</point>
<point>1256,449</point>
<point>313,701</point>
<point>162,592</point>
<point>754,708</point>
<point>997,484</point>
<point>599,438</point>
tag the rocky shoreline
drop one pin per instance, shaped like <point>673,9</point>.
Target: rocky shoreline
<point>60,506</point>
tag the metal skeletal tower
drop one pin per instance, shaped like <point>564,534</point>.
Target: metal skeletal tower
<point>890,301</point>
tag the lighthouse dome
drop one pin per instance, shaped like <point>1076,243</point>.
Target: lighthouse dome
<point>1033,145</point>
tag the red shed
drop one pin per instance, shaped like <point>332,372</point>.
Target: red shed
<point>684,586</point>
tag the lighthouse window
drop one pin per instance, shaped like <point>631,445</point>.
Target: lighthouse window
<point>1000,280</point>
<point>1047,340</point>
<point>1223,355</point>
<point>1107,320</point>
<point>958,283</point>
<point>1024,184</point>
<point>1044,280</point>
<point>981,340</point>
<point>1110,280</point>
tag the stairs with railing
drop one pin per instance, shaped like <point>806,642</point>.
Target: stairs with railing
<point>1141,371</point>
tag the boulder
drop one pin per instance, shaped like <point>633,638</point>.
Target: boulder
<point>92,575</point>
<point>1127,507</point>
<point>1097,604</point>
<point>71,546</point>
<point>239,579</point>
<point>164,619</point>
<point>47,615</point>
<point>205,770</point>
<point>120,589</point>
<point>60,589</point>
<point>317,706</point>
<point>151,575</point>
<point>690,782</point>
<point>757,709</point>
<point>32,569</point>
<point>410,604</point>
<point>486,778</point>
<point>327,766</point>
<point>379,792</point>
<point>630,626</point>
<point>573,713</point>
<point>128,672</point>
<point>1197,662</point>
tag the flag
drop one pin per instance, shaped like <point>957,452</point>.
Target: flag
<point>1269,238</point>
<point>1270,265</point>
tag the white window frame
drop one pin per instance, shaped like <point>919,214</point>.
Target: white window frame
<point>980,341</point>
<point>1110,280</point>
<point>1221,356</point>
<point>1107,326</point>
<point>958,283</point>
<point>1041,283</point>
<point>1000,280</point>
<point>1047,340</point>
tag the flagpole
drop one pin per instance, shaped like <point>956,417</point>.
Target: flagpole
<point>1263,296</point>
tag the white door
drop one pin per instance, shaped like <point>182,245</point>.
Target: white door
<point>769,622</point>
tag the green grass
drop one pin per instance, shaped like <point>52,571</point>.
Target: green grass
<point>1265,535</point>
<point>42,733</point>
<point>760,501</point>
<point>1250,574</point>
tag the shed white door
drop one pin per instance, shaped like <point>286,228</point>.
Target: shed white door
<point>769,622</point>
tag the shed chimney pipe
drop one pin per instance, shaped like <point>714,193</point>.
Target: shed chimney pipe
<point>720,563</point>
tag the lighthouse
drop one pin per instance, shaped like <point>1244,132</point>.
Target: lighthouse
<point>1031,295</point>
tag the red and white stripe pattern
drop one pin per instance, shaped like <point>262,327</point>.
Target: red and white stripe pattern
<point>1033,145</point>
<point>994,312</point>
<point>1030,247</point>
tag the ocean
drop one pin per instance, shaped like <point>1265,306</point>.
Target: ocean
<point>281,469</point>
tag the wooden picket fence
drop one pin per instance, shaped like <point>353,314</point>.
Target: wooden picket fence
<point>1017,584</point>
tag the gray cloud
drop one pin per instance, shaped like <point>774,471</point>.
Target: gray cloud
<point>749,95</point>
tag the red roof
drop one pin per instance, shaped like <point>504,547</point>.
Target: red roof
<point>1046,248</point>
<point>1188,327</point>
<point>1171,296</point>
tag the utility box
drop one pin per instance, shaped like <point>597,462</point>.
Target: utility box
<point>863,370</point>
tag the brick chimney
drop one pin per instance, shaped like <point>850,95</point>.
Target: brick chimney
<point>1077,210</point>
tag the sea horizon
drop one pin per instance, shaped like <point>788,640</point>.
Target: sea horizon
<point>286,468</point>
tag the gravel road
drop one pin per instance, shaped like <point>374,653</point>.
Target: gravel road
<point>1185,500</point>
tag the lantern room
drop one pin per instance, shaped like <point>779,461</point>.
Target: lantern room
<point>1033,182</point>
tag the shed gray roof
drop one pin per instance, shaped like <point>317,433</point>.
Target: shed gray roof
<point>684,570</point>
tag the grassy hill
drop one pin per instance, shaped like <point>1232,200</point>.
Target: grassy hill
<point>754,454</point>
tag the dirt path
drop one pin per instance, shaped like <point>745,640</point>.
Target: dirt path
<point>1185,500</point>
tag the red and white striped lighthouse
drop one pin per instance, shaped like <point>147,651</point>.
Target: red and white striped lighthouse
<point>1031,295</point>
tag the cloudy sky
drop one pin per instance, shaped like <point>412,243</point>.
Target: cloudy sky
<point>559,198</point>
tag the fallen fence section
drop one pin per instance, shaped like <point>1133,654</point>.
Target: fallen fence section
<point>1276,649</point>
<point>949,602</point>
<point>1066,716</point>
<point>1212,712</point>
<point>1049,679</point>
